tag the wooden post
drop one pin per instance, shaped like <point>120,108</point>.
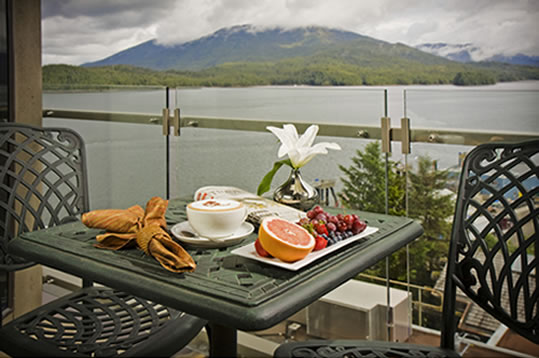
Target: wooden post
<point>25,106</point>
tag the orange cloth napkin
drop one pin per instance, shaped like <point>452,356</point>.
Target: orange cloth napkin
<point>144,228</point>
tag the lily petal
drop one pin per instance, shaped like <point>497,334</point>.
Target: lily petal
<point>296,157</point>
<point>291,130</point>
<point>286,136</point>
<point>307,153</point>
<point>307,139</point>
<point>291,133</point>
<point>329,145</point>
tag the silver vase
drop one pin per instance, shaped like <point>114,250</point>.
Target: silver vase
<point>296,192</point>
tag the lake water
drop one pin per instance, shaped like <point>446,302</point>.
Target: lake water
<point>127,161</point>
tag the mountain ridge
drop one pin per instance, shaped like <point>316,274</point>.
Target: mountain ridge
<point>243,56</point>
<point>243,43</point>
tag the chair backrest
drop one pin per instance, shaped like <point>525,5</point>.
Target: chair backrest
<point>494,241</point>
<point>43,181</point>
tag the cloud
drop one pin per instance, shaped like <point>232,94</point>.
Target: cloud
<point>76,31</point>
<point>139,12</point>
<point>494,26</point>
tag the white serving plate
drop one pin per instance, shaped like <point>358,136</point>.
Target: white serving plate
<point>249,252</point>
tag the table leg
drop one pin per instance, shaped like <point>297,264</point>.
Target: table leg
<point>223,340</point>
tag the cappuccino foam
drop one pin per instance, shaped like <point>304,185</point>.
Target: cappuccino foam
<point>215,205</point>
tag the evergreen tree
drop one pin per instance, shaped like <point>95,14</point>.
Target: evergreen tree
<point>364,185</point>
<point>434,210</point>
<point>364,189</point>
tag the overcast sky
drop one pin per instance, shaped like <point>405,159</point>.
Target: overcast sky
<point>78,31</point>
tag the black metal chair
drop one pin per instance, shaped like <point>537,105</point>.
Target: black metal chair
<point>43,182</point>
<point>496,219</point>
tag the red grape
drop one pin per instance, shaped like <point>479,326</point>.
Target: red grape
<point>333,219</point>
<point>322,216</point>
<point>331,226</point>
<point>348,219</point>
<point>321,228</point>
<point>358,227</point>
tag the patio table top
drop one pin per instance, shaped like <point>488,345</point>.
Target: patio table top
<point>225,288</point>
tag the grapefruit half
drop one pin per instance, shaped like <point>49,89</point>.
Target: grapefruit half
<point>284,240</point>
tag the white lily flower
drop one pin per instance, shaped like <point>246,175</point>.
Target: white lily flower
<point>300,149</point>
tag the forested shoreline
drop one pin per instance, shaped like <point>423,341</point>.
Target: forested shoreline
<point>289,72</point>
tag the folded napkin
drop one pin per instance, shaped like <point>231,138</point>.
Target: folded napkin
<point>146,229</point>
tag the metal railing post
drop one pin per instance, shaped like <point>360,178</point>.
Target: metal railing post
<point>386,149</point>
<point>405,143</point>
<point>167,143</point>
<point>420,310</point>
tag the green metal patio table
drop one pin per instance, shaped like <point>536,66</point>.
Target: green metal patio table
<point>231,292</point>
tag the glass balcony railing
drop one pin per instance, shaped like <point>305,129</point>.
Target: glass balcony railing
<point>125,156</point>
<point>223,141</point>
<point>220,125</point>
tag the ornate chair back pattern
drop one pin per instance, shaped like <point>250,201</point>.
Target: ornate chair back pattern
<point>495,237</point>
<point>42,180</point>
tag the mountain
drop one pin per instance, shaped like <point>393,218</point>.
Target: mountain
<point>518,59</point>
<point>245,43</point>
<point>237,43</point>
<point>470,53</point>
<point>247,56</point>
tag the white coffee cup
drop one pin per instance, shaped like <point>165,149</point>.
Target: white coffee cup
<point>216,218</point>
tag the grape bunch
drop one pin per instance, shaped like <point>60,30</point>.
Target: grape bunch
<point>329,229</point>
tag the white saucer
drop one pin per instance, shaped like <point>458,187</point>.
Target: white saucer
<point>179,231</point>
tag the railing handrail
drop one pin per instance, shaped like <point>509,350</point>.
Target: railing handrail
<point>422,135</point>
